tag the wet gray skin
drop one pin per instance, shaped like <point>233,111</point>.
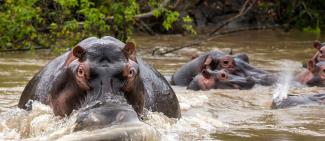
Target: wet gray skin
<point>220,79</point>
<point>259,76</point>
<point>105,114</point>
<point>295,100</point>
<point>184,75</point>
<point>318,76</point>
<point>103,60</point>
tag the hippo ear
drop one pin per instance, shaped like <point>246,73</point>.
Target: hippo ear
<point>311,65</point>
<point>317,44</point>
<point>231,52</point>
<point>194,56</point>
<point>208,61</point>
<point>76,53</point>
<point>205,73</point>
<point>129,50</point>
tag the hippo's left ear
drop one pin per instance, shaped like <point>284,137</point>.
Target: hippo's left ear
<point>311,66</point>
<point>76,53</point>
<point>129,50</point>
<point>208,60</point>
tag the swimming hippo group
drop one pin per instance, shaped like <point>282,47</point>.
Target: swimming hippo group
<point>314,75</point>
<point>103,78</point>
<point>216,70</point>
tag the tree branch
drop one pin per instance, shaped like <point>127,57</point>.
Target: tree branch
<point>243,10</point>
<point>216,35</point>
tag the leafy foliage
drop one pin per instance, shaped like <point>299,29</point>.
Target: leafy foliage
<point>60,24</point>
<point>302,14</point>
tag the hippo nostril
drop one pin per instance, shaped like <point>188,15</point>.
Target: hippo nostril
<point>223,76</point>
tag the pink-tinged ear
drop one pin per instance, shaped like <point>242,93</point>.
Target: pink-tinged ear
<point>208,61</point>
<point>317,44</point>
<point>129,51</point>
<point>311,65</point>
<point>78,51</point>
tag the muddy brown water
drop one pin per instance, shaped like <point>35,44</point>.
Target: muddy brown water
<point>206,115</point>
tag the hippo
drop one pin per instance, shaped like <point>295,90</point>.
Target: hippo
<point>319,55</point>
<point>213,60</point>
<point>237,64</point>
<point>296,100</point>
<point>316,77</point>
<point>97,70</point>
<point>219,79</point>
<point>105,114</point>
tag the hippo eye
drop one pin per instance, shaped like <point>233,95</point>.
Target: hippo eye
<point>225,62</point>
<point>131,73</point>
<point>320,51</point>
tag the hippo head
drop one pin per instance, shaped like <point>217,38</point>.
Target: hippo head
<point>318,78</point>
<point>321,50</point>
<point>219,79</point>
<point>94,71</point>
<point>227,62</point>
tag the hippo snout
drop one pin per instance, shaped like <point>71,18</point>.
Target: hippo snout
<point>105,115</point>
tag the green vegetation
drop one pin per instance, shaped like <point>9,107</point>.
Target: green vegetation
<point>306,15</point>
<point>60,24</point>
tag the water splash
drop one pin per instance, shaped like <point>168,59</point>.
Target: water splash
<point>284,80</point>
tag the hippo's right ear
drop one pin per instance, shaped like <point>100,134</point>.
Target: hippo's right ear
<point>317,44</point>
<point>129,51</point>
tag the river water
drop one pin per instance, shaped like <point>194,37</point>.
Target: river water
<point>206,115</point>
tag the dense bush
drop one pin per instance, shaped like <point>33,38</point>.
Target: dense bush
<point>59,24</point>
<point>306,15</point>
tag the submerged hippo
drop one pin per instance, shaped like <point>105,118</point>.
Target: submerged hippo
<point>296,100</point>
<point>96,70</point>
<point>315,73</point>
<point>315,77</point>
<point>236,65</point>
<point>219,79</point>
<point>319,55</point>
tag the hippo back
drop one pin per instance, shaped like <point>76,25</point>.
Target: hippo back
<point>159,96</point>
